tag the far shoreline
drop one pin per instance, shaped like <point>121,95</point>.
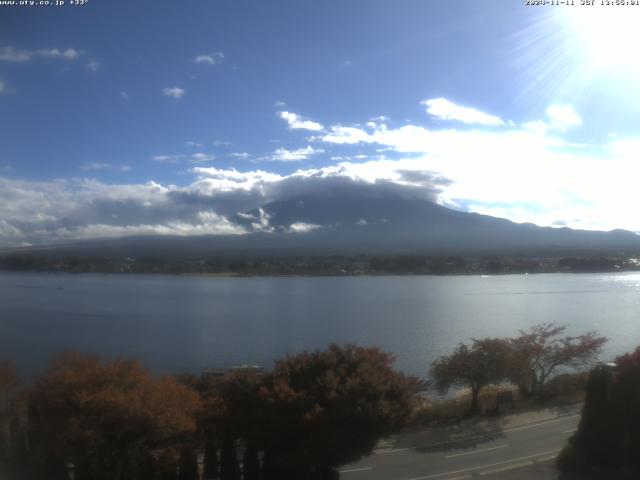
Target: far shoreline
<point>309,275</point>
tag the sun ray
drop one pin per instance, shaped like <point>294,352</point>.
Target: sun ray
<point>569,52</point>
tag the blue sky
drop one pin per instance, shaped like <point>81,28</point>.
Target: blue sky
<point>115,111</point>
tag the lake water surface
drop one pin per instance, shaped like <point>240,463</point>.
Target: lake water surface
<point>188,323</point>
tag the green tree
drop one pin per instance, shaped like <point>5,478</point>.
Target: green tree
<point>484,362</point>
<point>543,349</point>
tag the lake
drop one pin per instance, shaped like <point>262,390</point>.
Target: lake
<point>189,323</point>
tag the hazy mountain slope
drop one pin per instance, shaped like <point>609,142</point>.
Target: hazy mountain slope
<point>311,226</point>
<point>423,226</point>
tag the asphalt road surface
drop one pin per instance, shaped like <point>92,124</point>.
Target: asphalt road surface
<point>495,454</point>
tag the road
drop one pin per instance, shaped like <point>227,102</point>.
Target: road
<point>493,453</point>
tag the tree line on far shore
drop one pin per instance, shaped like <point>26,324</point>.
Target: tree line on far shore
<point>313,412</point>
<point>335,264</point>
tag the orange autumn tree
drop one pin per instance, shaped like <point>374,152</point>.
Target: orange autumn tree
<point>538,353</point>
<point>112,420</point>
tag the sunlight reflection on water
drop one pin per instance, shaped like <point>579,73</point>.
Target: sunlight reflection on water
<point>186,323</point>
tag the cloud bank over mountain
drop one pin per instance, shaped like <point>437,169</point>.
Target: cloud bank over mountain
<point>36,212</point>
<point>468,160</point>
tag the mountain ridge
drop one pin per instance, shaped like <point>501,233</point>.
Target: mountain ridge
<point>351,225</point>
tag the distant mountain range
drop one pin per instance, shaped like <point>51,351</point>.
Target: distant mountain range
<point>350,225</point>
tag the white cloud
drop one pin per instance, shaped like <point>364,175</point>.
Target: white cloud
<point>105,166</point>
<point>447,110</point>
<point>348,158</point>
<point>563,117</point>
<point>301,227</point>
<point>10,54</point>
<point>377,122</point>
<point>211,226</point>
<point>522,166</point>
<point>259,222</point>
<point>174,92</point>
<point>124,95</point>
<point>202,157</point>
<point>167,158</point>
<point>198,157</point>
<point>37,212</point>
<point>194,144</point>
<point>284,155</point>
<point>68,54</point>
<point>210,59</point>
<point>517,172</point>
<point>241,155</point>
<point>501,175</point>
<point>384,177</point>
<point>213,180</point>
<point>346,135</point>
<point>297,122</point>
<point>536,126</point>
<point>94,66</point>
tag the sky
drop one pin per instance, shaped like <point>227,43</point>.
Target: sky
<point>144,117</point>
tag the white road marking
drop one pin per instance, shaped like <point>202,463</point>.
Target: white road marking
<point>351,470</point>
<point>476,451</point>
<point>546,422</point>
<point>569,431</point>
<point>518,465</point>
<point>480,467</point>
<point>547,458</point>
<point>514,466</point>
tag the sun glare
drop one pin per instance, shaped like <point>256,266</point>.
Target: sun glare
<point>578,49</point>
<point>609,35</point>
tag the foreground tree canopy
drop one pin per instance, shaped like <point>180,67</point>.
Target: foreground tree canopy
<point>114,420</point>
<point>330,407</point>
<point>108,418</point>
<point>608,436</point>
